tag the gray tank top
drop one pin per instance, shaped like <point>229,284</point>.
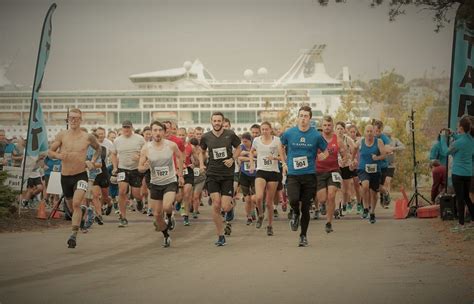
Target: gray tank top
<point>161,164</point>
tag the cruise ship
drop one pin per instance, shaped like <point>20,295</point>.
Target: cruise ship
<point>187,95</point>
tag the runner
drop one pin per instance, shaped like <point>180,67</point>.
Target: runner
<point>102,181</point>
<point>219,143</point>
<point>302,143</point>
<point>73,144</point>
<point>125,157</point>
<point>355,135</point>
<point>345,166</point>
<point>188,173</point>
<point>157,156</point>
<point>247,177</point>
<point>146,133</point>
<point>394,145</point>
<point>199,176</point>
<point>268,173</point>
<point>327,167</point>
<point>384,194</point>
<point>371,151</point>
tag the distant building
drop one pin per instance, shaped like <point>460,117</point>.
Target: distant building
<point>188,95</point>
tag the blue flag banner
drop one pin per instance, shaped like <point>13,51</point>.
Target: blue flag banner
<point>37,138</point>
<point>462,73</point>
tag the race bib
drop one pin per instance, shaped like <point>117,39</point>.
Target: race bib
<point>371,168</point>
<point>56,168</point>
<point>267,163</point>
<point>247,166</point>
<point>121,177</point>
<point>82,185</point>
<point>185,171</point>
<point>196,172</point>
<point>162,172</point>
<point>336,177</point>
<point>219,153</point>
<point>300,162</point>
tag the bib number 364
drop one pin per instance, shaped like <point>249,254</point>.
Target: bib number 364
<point>300,162</point>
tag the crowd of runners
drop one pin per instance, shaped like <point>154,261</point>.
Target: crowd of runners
<point>164,169</point>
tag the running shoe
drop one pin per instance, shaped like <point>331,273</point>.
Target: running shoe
<point>115,205</point>
<point>254,215</point>
<point>303,241</point>
<point>123,223</point>
<point>229,216</point>
<point>372,218</point>
<point>337,214</point>
<point>259,222</point>
<point>149,212</point>
<point>177,206</point>
<point>316,215</point>
<point>172,223</point>
<point>323,209</point>
<point>458,228</point>
<point>228,229</point>
<point>195,215</point>
<point>249,221</point>
<point>220,241</point>
<point>140,205</point>
<point>349,207</point>
<point>275,213</point>
<point>166,242</point>
<point>365,213</point>
<point>359,208</point>
<point>108,209</point>
<point>269,230</point>
<point>186,220</point>
<point>71,242</point>
<point>99,220</point>
<point>295,221</point>
<point>284,206</point>
<point>329,228</point>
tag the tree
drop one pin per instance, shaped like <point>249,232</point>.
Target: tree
<point>441,9</point>
<point>7,196</point>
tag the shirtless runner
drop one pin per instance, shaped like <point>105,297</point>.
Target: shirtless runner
<point>70,147</point>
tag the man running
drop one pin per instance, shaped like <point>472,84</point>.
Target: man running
<point>157,156</point>
<point>219,143</point>
<point>328,173</point>
<point>371,152</point>
<point>73,144</point>
<point>302,143</point>
<point>125,157</point>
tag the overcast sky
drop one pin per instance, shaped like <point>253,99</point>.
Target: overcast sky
<point>97,44</point>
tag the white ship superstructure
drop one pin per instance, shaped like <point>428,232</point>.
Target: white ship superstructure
<point>187,95</point>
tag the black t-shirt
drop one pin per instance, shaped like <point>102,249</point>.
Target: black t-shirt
<point>220,149</point>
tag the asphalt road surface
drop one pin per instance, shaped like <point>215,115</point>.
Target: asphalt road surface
<point>392,261</point>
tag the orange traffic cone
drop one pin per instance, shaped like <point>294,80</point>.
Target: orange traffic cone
<point>41,214</point>
<point>401,206</point>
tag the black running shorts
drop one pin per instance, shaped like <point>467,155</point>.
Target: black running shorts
<point>269,176</point>
<point>224,185</point>
<point>102,180</point>
<point>69,183</point>
<point>301,188</point>
<point>158,192</point>
<point>131,177</point>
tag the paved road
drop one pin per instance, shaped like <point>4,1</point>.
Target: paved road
<point>388,262</point>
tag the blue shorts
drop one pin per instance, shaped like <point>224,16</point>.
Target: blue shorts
<point>113,190</point>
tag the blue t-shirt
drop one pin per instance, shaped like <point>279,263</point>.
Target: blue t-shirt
<point>52,165</point>
<point>365,155</point>
<point>439,151</point>
<point>94,172</point>
<point>8,155</point>
<point>462,150</point>
<point>302,148</point>
<point>384,162</point>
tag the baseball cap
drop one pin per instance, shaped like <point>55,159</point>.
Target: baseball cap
<point>127,123</point>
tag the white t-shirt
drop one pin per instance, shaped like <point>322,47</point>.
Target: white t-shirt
<point>264,151</point>
<point>127,148</point>
<point>110,147</point>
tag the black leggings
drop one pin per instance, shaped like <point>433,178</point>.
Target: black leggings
<point>461,188</point>
<point>301,188</point>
